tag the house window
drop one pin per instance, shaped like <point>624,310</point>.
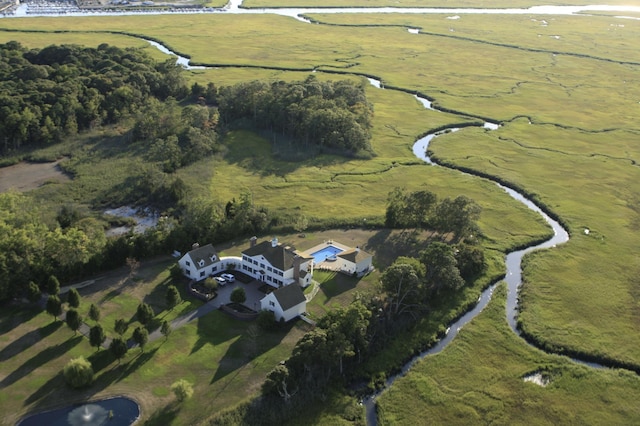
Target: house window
<point>271,303</point>
<point>188,263</point>
<point>262,265</point>
<point>215,268</point>
<point>188,272</point>
<point>202,274</point>
<point>269,268</point>
<point>255,262</point>
<point>268,278</point>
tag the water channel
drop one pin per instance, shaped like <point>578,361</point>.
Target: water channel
<point>52,8</point>
<point>513,261</point>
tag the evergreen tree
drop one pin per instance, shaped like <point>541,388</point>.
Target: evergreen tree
<point>165,329</point>
<point>53,285</point>
<point>73,320</point>
<point>73,298</point>
<point>94,313</point>
<point>96,336</point>
<point>141,337</point>
<point>121,326</point>
<point>118,348</point>
<point>173,297</point>
<point>144,313</point>
<point>54,306</point>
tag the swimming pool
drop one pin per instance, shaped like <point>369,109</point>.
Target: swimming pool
<point>326,252</point>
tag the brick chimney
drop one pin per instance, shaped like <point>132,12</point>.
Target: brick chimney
<point>297,261</point>
<point>252,241</point>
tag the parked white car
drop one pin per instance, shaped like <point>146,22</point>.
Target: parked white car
<point>221,281</point>
<point>228,277</point>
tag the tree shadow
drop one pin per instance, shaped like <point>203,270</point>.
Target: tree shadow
<point>37,361</point>
<point>337,285</point>
<point>164,416</point>
<point>12,317</point>
<point>40,359</point>
<point>386,244</point>
<point>214,329</point>
<point>251,344</point>
<point>118,371</point>
<point>28,339</point>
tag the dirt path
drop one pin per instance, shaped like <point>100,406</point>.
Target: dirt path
<point>26,176</point>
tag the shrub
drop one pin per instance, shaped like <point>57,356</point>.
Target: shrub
<point>238,295</point>
<point>78,373</point>
<point>182,389</point>
<point>267,320</point>
<point>173,297</point>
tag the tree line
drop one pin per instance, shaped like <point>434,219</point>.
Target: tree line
<point>329,115</point>
<point>51,93</point>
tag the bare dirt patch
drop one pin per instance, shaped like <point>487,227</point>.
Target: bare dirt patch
<point>24,177</point>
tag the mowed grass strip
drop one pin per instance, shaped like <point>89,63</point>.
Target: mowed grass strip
<point>480,378</point>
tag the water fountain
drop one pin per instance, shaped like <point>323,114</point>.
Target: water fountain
<point>88,415</point>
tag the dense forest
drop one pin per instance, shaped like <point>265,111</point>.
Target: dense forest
<point>329,115</point>
<point>48,94</point>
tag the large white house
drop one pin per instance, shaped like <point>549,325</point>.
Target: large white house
<point>277,265</point>
<point>286,303</point>
<point>200,263</point>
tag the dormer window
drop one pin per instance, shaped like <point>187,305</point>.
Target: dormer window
<point>213,258</point>
<point>201,263</point>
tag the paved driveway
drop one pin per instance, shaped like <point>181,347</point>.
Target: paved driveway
<point>224,296</point>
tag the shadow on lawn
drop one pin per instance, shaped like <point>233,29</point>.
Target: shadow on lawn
<point>165,416</point>
<point>118,371</point>
<point>25,341</point>
<point>252,343</point>
<point>337,285</point>
<point>387,244</point>
<point>40,359</point>
<point>12,317</point>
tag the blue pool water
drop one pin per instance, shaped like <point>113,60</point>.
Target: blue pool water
<point>323,254</point>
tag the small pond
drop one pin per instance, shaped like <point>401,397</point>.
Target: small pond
<point>144,218</point>
<point>119,411</point>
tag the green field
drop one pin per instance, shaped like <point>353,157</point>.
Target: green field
<point>567,92</point>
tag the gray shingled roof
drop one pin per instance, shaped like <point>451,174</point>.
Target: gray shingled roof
<point>206,253</point>
<point>280,256</point>
<point>289,296</point>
